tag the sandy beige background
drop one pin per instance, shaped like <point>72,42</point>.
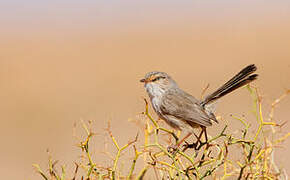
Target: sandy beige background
<point>63,62</point>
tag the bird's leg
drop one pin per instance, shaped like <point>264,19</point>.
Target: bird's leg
<point>194,145</point>
<point>175,147</point>
<point>182,140</point>
<point>203,130</point>
<point>205,134</point>
<point>199,137</point>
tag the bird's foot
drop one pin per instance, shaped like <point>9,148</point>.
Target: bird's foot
<point>189,146</point>
<point>206,144</point>
<point>172,148</point>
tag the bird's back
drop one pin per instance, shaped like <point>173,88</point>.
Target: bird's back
<point>181,105</point>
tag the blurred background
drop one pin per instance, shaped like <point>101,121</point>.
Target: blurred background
<point>62,61</point>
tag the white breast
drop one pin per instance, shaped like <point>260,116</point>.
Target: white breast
<point>155,93</point>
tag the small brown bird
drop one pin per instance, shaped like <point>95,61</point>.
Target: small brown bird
<point>181,110</point>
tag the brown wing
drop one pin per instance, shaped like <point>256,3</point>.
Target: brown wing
<point>183,106</point>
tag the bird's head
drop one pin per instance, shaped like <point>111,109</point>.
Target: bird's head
<point>156,82</point>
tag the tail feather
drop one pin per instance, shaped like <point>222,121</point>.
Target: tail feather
<point>239,80</point>
<point>238,77</point>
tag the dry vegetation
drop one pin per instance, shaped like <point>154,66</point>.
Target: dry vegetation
<point>215,159</point>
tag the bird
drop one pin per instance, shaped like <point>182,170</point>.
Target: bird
<point>181,110</point>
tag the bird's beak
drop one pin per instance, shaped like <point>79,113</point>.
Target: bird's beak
<point>143,80</point>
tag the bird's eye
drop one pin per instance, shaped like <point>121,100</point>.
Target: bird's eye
<point>158,78</point>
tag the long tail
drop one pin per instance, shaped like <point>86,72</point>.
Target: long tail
<point>239,80</point>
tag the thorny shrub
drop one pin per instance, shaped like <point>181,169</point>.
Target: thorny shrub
<point>214,159</point>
